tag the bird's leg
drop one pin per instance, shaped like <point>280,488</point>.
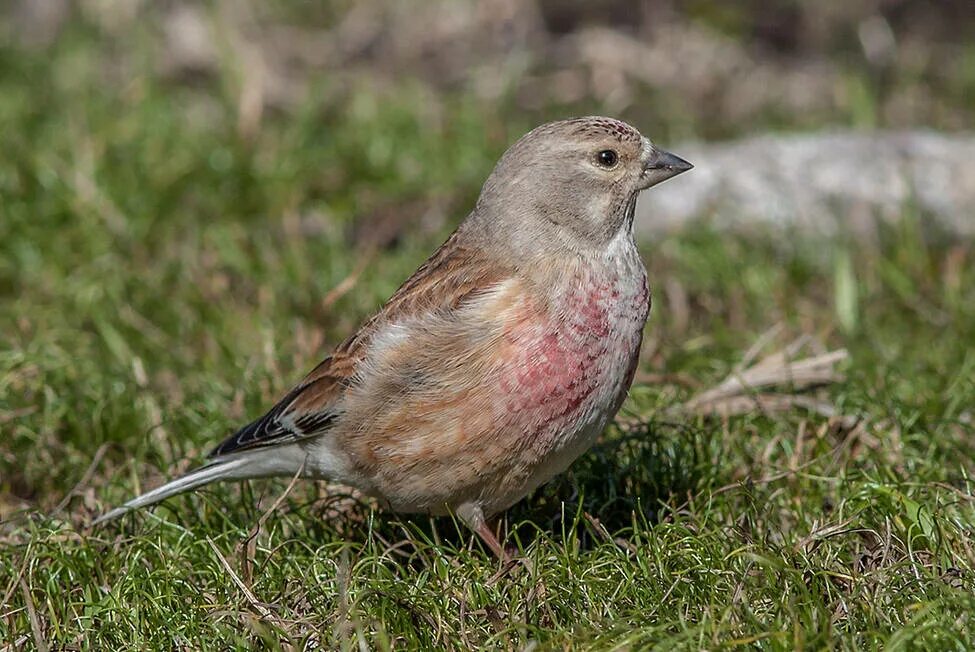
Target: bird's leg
<point>472,515</point>
<point>487,534</point>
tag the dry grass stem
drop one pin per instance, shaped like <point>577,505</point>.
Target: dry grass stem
<point>747,389</point>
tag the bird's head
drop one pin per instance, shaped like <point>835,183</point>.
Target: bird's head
<point>582,175</point>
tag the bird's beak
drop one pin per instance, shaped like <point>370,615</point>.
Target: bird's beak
<point>659,165</point>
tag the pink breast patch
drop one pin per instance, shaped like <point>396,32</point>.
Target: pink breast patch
<point>557,363</point>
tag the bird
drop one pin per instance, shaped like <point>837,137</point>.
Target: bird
<point>497,363</point>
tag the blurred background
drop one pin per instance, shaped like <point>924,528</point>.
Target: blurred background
<point>699,69</point>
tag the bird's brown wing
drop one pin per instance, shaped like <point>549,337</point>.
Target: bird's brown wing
<point>454,275</point>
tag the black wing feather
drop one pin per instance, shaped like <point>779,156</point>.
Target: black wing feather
<point>270,430</point>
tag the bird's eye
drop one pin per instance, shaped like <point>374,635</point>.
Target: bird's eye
<point>607,158</point>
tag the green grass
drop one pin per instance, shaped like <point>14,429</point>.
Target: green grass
<point>164,278</point>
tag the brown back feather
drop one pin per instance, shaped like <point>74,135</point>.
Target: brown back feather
<point>453,275</point>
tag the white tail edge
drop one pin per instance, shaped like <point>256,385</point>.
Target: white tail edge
<point>218,470</point>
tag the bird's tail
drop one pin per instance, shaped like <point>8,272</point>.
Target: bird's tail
<point>220,469</point>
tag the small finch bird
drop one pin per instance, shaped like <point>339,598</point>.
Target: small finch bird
<point>498,362</point>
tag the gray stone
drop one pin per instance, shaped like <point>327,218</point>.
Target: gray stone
<point>826,182</point>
